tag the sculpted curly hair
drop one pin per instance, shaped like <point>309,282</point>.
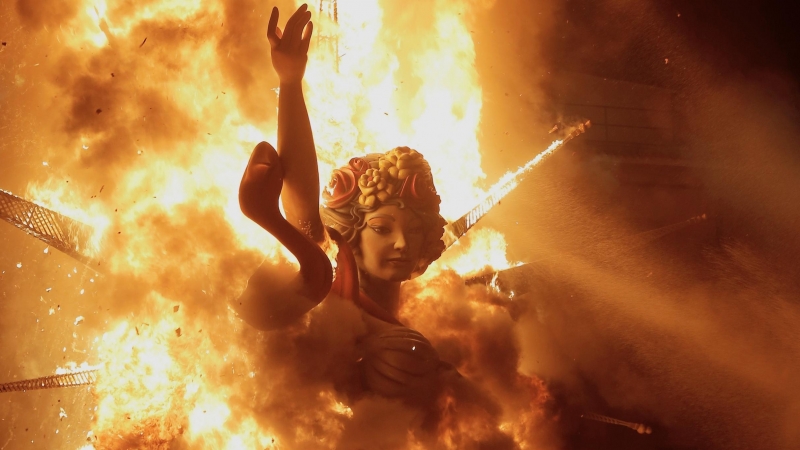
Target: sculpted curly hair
<point>398,177</point>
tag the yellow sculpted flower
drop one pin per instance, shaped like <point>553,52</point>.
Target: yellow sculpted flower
<point>379,183</point>
<point>375,184</point>
<point>402,162</point>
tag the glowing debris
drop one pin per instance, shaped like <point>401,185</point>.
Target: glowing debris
<point>638,427</point>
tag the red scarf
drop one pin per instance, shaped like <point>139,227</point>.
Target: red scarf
<point>345,283</point>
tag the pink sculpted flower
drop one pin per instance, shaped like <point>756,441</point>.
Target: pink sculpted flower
<point>341,189</point>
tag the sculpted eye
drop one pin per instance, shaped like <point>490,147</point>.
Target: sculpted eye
<point>379,229</point>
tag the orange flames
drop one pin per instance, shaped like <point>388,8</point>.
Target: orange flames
<point>183,91</point>
<point>158,382</point>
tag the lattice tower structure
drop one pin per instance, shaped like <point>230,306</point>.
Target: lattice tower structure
<point>459,227</point>
<point>79,378</point>
<point>54,229</point>
<point>326,38</point>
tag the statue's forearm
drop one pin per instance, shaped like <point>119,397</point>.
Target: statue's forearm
<point>271,299</point>
<point>316,274</point>
<point>298,155</point>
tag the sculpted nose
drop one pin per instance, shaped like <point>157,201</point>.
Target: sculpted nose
<point>400,242</point>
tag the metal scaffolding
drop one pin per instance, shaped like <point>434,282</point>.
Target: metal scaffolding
<point>454,230</point>
<point>79,378</point>
<point>328,38</point>
<point>522,277</point>
<point>54,229</point>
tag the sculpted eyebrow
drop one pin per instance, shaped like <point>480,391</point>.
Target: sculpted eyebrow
<point>381,216</point>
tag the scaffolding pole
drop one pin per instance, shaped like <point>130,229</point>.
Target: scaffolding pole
<point>54,229</point>
<point>79,378</point>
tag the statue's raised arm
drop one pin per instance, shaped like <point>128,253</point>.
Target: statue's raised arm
<point>291,175</point>
<point>296,149</point>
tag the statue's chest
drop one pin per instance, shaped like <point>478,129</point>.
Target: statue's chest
<point>397,361</point>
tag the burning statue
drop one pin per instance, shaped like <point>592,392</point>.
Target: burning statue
<point>341,365</point>
<point>381,226</point>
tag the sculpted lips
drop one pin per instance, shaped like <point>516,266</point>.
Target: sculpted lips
<point>398,261</point>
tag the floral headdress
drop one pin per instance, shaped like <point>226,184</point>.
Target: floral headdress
<point>401,173</point>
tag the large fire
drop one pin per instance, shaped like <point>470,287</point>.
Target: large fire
<point>169,111</point>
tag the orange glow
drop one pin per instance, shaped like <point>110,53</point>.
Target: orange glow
<point>174,369</point>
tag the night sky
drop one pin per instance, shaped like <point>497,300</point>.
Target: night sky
<point>732,37</point>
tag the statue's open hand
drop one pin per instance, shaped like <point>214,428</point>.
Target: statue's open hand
<point>290,46</point>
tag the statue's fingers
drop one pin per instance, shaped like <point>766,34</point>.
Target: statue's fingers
<point>297,23</point>
<point>273,32</point>
<point>307,37</point>
<point>300,29</point>
<point>290,24</point>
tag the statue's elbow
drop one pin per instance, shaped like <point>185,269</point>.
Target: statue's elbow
<point>270,301</point>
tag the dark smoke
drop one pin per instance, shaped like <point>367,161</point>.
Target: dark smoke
<point>695,333</point>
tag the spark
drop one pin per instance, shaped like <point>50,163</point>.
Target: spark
<point>638,427</point>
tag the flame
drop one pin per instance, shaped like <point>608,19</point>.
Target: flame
<point>361,99</point>
<point>168,379</point>
<point>170,218</point>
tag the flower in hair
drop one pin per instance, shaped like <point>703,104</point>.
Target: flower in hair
<point>342,188</point>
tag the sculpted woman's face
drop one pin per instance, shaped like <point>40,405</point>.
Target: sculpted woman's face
<point>391,243</point>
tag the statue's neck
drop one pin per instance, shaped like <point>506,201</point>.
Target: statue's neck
<point>385,293</point>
